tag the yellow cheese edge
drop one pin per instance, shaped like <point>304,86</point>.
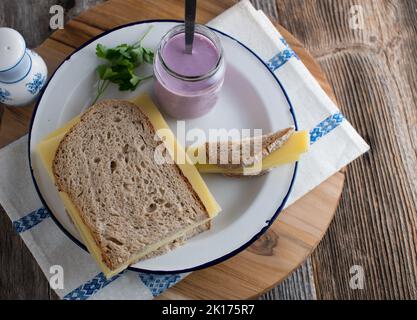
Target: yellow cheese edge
<point>176,151</point>
<point>290,152</point>
<point>46,150</point>
<point>64,129</point>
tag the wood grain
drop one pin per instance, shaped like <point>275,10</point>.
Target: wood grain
<point>373,74</point>
<point>299,286</point>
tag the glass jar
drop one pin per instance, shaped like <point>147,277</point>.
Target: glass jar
<point>187,85</point>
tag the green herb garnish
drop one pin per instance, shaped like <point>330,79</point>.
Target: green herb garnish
<point>121,64</point>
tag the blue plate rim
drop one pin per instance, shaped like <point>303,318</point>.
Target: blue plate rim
<point>204,265</point>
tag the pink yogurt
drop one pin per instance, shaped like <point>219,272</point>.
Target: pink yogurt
<point>187,85</point>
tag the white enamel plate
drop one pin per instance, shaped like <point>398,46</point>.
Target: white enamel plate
<point>251,98</point>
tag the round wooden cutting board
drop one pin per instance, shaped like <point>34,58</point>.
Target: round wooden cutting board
<point>298,229</point>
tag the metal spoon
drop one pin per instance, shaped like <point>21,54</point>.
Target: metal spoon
<point>190,9</point>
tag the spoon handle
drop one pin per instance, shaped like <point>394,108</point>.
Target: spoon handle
<point>190,9</point>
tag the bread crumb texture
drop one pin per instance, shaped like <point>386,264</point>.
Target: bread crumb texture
<point>106,165</point>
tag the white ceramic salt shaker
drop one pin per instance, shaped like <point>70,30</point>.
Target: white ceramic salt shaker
<point>23,72</point>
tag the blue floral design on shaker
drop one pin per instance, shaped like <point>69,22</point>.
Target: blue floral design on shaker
<point>4,95</point>
<point>37,83</point>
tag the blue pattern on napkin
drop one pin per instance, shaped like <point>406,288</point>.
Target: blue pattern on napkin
<point>284,42</point>
<point>326,126</point>
<point>32,219</point>
<point>158,283</point>
<point>89,288</point>
<point>282,57</point>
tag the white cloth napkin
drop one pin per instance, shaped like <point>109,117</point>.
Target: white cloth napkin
<point>334,144</point>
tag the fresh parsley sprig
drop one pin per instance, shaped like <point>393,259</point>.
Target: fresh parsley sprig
<point>121,64</point>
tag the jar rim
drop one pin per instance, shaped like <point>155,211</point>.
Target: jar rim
<point>202,30</point>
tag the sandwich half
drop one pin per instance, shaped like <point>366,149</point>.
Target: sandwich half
<point>125,205</point>
<point>221,153</point>
<point>251,156</point>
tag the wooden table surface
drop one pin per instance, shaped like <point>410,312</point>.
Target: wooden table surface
<point>374,76</point>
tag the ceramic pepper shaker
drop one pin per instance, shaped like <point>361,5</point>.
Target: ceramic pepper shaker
<point>23,72</point>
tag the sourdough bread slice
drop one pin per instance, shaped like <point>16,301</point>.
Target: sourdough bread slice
<point>105,164</point>
<point>247,149</point>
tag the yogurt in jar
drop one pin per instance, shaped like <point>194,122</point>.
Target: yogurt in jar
<point>187,85</point>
